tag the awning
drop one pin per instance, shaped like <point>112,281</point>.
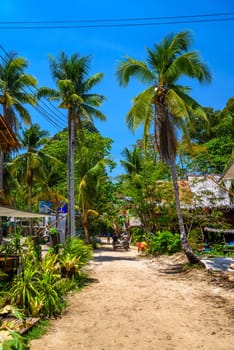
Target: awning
<point>8,139</point>
<point>16,213</point>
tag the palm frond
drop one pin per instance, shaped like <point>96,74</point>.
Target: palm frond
<point>142,109</point>
<point>92,212</point>
<point>89,112</point>
<point>180,42</point>
<point>23,113</point>
<point>190,65</point>
<point>94,100</point>
<point>130,67</point>
<point>93,81</point>
<point>49,93</point>
<point>27,80</point>
<point>176,104</point>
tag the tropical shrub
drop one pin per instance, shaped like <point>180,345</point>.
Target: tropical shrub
<point>138,234</point>
<point>70,265</point>
<point>164,242</point>
<point>34,289</point>
<point>73,256</point>
<point>40,287</point>
<point>76,247</point>
<point>15,342</point>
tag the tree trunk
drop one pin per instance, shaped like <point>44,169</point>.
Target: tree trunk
<point>86,231</point>
<point>70,177</point>
<point>192,258</point>
<point>167,148</point>
<point>1,172</point>
<point>2,155</point>
<point>30,204</point>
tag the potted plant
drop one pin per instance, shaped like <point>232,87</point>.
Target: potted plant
<point>55,238</point>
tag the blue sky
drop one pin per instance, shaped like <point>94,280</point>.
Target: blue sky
<point>108,45</point>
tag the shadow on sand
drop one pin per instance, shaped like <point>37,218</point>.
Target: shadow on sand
<point>172,269</point>
<point>103,258</point>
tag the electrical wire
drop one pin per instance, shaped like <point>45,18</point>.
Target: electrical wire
<point>118,19</point>
<point>58,111</point>
<point>53,119</point>
<point>115,25</point>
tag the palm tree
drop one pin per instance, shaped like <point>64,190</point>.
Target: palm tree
<point>89,187</point>
<point>31,165</point>
<point>165,102</point>
<point>73,90</point>
<point>133,163</point>
<point>14,95</point>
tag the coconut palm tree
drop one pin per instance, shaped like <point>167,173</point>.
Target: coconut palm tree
<point>89,187</point>
<point>74,88</point>
<point>133,163</point>
<point>92,178</point>
<point>165,103</point>
<point>31,165</point>
<point>14,95</point>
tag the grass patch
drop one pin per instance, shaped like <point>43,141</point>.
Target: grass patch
<point>37,331</point>
<point>188,266</point>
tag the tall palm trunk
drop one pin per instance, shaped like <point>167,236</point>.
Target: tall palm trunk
<point>1,172</point>
<point>192,258</point>
<point>167,149</point>
<point>30,203</point>
<point>71,174</point>
<point>2,153</point>
<point>1,188</point>
<point>86,230</point>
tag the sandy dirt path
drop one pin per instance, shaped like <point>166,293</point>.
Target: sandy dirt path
<point>133,304</point>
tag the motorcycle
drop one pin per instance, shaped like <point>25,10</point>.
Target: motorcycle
<point>125,244</point>
<point>121,243</point>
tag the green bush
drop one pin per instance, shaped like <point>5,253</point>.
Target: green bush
<point>164,242</point>
<point>35,291</point>
<point>138,234</point>
<point>39,289</point>
<point>76,247</point>
<point>18,342</point>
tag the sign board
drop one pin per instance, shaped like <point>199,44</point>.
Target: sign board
<point>45,207</point>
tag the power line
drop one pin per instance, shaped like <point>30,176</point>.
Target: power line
<point>48,117</point>
<point>113,24</point>
<point>57,110</point>
<point>117,20</point>
<point>53,119</point>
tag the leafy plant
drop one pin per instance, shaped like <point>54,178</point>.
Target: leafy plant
<point>24,289</point>
<point>55,239</point>
<point>53,231</point>
<point>70,264</point>
<point>53,303</point>
<point>50,262</point>
<point>139,234</point>
<point>38,330</point>
<point>17,342</point>
<point>34,289</point>
<point>164,242</point>
<point>13,246</point>
<point>76,247</point>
